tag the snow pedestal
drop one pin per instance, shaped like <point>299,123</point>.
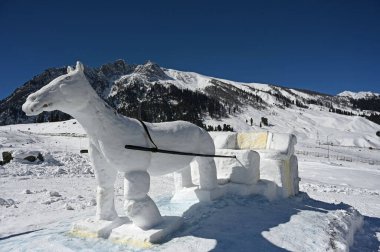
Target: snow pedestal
<point>130,234</point>
<point>123,231</point>
<point>93,228</point>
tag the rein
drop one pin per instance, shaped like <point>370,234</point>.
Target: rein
<point>155,149</point>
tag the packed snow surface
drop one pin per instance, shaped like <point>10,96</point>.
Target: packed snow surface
<point>338,207</point>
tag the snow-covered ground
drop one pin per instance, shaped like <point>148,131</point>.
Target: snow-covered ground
<point>340,193</point>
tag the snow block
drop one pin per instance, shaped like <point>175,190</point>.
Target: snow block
<point>284,173</point>
<point>130,234</point>
<point>283,143</point>
<point>252,140</point>
<point>271,145</point>
<point>224,140</point>
<point>293,162</point>
<point>93,228</point>
<point>244,169</point>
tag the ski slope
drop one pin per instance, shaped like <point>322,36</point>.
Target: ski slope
<point>311,126</point>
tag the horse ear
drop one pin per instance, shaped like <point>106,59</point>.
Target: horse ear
<point>69,69</point>
<point>79,66</point>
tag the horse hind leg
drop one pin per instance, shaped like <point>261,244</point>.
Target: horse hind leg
<point>139,207</point>
<point>207,172</point>
<point>182,178</point>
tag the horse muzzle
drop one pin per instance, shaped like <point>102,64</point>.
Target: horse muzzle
<point>32,107</point>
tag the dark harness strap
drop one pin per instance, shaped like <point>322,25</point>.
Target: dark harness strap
<point>156,149</point>
<point>23,233</point>
<point>148,134</point>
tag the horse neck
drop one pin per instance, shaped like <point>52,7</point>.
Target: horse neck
<point>97,117</point>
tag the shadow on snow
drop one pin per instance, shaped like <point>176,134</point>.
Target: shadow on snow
<point>238,223</point>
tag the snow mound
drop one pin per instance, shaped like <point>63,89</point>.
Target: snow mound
<point>8,203</point>
<point>55,164</point>
<point>343,224</point>
<point>333,231</point>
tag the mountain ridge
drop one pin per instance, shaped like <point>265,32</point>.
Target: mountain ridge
<point>156,94</point>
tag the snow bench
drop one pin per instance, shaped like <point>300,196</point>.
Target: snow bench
<point>244,169</point>
<point>277,162</point>
<point>237,176</point>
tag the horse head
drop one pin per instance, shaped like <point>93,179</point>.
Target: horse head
<point>68,93</point>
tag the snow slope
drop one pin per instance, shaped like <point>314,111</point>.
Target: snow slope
<point>338,198</point>
<point>309,125</point>
<point>312,124</point>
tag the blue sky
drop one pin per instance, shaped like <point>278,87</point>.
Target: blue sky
<point>327,46</point>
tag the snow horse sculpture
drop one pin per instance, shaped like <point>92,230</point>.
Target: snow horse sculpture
<point>109,132</point>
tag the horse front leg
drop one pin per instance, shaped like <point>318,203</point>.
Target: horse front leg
<point>105,176</point>
<point>139,207</point>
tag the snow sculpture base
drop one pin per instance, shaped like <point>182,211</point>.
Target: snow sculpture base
<point>92,228</point>
<point>130,234</point>
<point>197,195</point>
<point>266,188</point>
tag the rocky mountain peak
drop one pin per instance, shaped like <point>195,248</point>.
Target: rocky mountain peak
<point>152,71</point>
<point>116,68</point>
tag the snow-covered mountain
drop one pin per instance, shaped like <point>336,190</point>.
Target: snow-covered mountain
<point>358,95</point>
<point>157,94</point>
